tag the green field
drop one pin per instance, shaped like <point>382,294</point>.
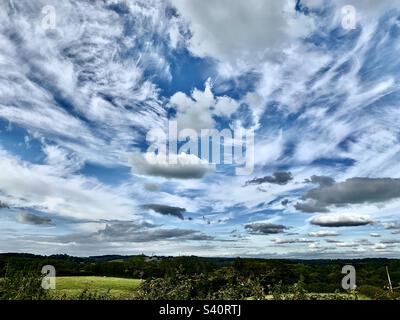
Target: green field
<point>116,288</point>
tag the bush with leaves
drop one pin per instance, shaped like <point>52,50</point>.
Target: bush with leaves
<point>87,294</point>
<point>222,284</point>
<point>177,287</point>
<point>289,292</point>
<point>22,285</point>
<point>297,291</point>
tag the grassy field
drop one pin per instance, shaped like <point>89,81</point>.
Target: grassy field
<point>117,288</point>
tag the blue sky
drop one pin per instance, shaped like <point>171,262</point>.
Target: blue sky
<point>78,99</point>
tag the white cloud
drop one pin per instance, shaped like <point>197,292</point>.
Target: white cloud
<point>197,110</point>
<point>323,233</point>
<point>187,166</point>
<point>364,8</point>
<point>81,89</point>
<point>241,33</point>
<point>291,240</point>
<point>194,112</point>
<point>74,196</point>
<point>61,160</point>
<point>86,93</point>
<point>225,106</point>
<point>341,220</point>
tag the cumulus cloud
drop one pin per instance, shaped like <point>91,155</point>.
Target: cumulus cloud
<point>197,111</point>
<point>341,220</point>
<point>29,218</point>
<point>279,177</point>
<point>351,191</point>
<point>265,228</point>
<point>166,210</point>
<point>323,233</point>
<point>255,28</point>
<point>357,190</point>
<point>188,166</point>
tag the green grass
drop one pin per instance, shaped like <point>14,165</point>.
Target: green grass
<point>117,288</point>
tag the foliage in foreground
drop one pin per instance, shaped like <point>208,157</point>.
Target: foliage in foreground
<point>222,284</point>
<point>377,293</point>
<point>238,282</point>
<point>22,285</point>
<point>229,285</point>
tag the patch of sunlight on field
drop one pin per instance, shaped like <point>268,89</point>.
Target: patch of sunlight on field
<point>72,287</point>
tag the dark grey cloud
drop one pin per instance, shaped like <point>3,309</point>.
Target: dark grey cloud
<point>394,225</point>
<point>390,241</point>
<point>340,220</point>
<point>4,205</point>
<point>152,187</point>
<point>265,228</point>
<point>351,191</point>
<point>310,207</point>
<point>130,231</point>
<point>321,180</point>
<point>285,202</point>
<point>29,218</point>
<point>357,190</point>
<point>279,177</point>
<point>166,210</point>
<point>332,241</point>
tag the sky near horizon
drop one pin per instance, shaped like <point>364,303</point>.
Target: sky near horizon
<point>316,81</point>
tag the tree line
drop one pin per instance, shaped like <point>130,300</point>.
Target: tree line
<point>323,276</point>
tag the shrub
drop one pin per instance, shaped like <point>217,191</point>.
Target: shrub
<point>370,291</point>
<point>88,294</point>
<point>226,285</point>
<point>22,285</point>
